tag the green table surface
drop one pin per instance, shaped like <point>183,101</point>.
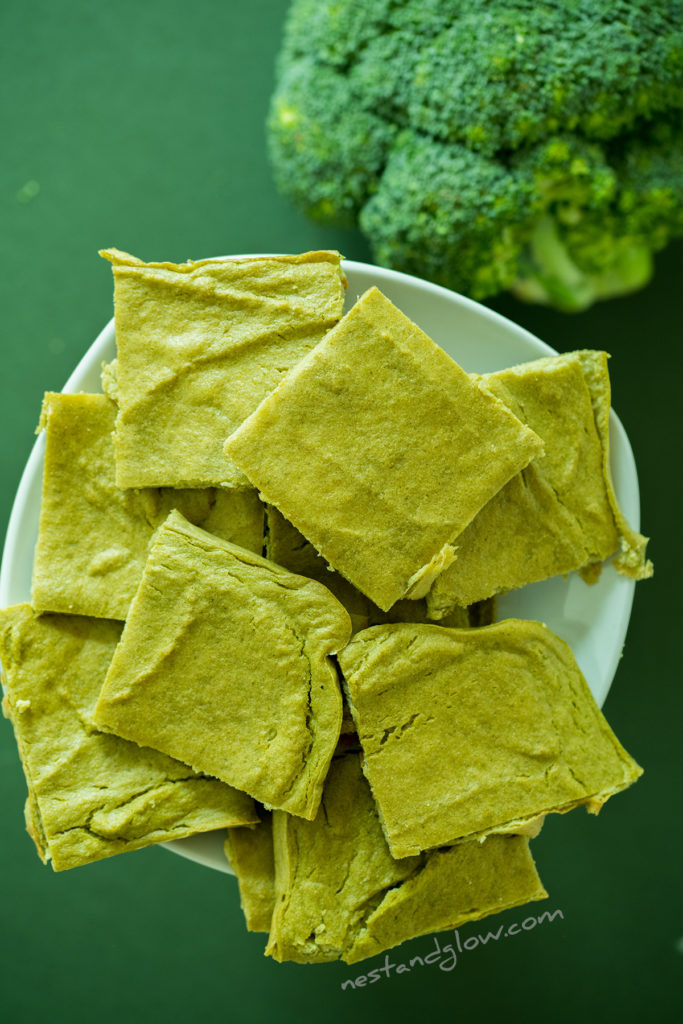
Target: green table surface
<point>140,125</point>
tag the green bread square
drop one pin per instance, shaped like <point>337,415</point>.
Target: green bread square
<point>225,663</point>
<point>93,537</point>
<point>92,795</point>
<point>249,852</point>
<point>380,450</point>
<point>467,732</point>
<point>340,893</point>
<point>199,345</point>
<point>559,513</point>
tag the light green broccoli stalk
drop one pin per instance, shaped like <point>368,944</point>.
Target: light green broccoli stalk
<point>489,145</point>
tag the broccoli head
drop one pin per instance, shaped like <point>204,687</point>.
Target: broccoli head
<point>489,145</point>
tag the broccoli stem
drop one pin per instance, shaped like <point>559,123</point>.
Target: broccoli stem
<point>550,275</point>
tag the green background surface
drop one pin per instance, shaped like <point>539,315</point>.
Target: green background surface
<point>142,125</point>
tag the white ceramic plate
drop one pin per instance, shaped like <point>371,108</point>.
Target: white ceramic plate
<point>592,619</point>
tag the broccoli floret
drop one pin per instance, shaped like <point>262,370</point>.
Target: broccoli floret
<point>489,145</point>
<point>332,31</point>
<point>596,235</point>
<point>455,216</point>
<point>327,153</point>
<point>499,75</point>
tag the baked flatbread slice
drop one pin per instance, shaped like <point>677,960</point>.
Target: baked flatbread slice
<point>469,732</point>
<point>340,893</point>
<point>199,345</point>
<point>92,795</point>
<point>380,450</point>
<point>93,537</point>
<point>560,513</point>
<point>249,852</point>
<point>225,663</point>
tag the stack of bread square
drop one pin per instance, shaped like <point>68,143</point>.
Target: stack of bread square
<point>264,601</point>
